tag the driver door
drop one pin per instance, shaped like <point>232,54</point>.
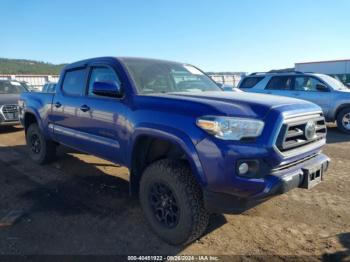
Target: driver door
<point>104,123</point>
<point>305,87</point>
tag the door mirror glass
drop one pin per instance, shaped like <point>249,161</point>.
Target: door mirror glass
<point>322,88</point>
<point>107,88</point>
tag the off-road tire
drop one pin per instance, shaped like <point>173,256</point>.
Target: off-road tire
<point>193,218</point>
<point>47,150</point>
<point>340,116</point>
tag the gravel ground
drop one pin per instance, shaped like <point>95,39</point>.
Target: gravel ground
<point>80,205</point>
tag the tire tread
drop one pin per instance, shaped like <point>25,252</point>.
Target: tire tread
<point>187,183</point>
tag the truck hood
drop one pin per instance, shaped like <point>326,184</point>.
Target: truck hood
<point>240,104</point>
<point>9,99</point>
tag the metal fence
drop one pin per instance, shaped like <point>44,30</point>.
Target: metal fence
<point>34,81</point>
<point>227,79</point>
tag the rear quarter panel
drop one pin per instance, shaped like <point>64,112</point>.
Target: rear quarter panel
<point>38,104</point>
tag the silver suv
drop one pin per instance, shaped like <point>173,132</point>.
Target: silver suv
<point>9,94</point>
<point>327,92</point>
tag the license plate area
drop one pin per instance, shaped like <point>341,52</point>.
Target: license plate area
<point>312,176</point>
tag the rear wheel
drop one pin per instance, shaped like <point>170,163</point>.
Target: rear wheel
<point>343,120</point>
<point>172,202</point>
<point>41,150</point>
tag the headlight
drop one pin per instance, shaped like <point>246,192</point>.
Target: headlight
<point>230,128</point>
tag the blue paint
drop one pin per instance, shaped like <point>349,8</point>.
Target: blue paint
<point>112,125</point>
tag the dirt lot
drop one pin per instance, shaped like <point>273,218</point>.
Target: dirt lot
<point>73,207</point>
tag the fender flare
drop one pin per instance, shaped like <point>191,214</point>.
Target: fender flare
<point>32,111</point>
<point>174,136</point>
<point>339,108</point>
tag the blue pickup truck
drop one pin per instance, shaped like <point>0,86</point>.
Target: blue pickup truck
<point>191,148</point>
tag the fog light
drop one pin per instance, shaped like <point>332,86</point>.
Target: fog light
<point>243,168</point>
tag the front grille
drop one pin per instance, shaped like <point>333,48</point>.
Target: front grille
<point>10,112</point>
<point>301,131</point>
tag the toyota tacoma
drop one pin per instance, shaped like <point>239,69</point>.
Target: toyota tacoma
<point>191,148</point>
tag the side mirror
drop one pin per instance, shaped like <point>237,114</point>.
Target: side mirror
<point>322,88</point>
<point>111,89</point>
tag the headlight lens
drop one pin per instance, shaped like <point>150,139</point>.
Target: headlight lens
<point>231,128</point>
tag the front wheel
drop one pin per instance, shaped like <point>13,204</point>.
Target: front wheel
<point>172,202</point>
<point>41,150</point>
<point>343,120</point>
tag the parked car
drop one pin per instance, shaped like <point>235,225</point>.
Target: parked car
<point>49,87</point>
<point>24,84</point>
<point>31,88</point>
<point>9,94</point>
<point>327,92</point>
<point>191,148</point>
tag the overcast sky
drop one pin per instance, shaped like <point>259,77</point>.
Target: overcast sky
<point>221,35</point>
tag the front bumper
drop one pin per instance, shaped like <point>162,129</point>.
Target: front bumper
<point>277,182</point>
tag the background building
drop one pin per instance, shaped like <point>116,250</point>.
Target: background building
<point>337,68</point>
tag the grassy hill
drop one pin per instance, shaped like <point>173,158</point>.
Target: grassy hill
<point>22,66</point>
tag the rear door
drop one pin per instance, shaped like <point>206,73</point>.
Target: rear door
<point>280,85</point>
<point>305,87</point>
<point>66,109</point>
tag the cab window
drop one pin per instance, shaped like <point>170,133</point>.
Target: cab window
<point>280,83</point>
<point>306,83</point>
<point>74,82</point>
<point>250,82</point>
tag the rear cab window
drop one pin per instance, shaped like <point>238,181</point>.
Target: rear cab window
<point>250,81</point>
<point>74,82</point>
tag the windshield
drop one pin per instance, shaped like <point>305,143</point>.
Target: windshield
<point>152,76</point>
<point>334,83</point>
<point>7,87</point>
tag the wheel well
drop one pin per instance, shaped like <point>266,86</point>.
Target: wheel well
<point>341,108</point>
<point>28,120</point>
<point>148,150</point>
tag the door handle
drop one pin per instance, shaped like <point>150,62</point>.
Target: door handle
<point>296,94</point>
<point>58,104</point>
<point>84,108</point>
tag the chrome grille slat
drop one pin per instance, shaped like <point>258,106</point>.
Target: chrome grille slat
<point>292,134</point>
<point>296,132</point>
